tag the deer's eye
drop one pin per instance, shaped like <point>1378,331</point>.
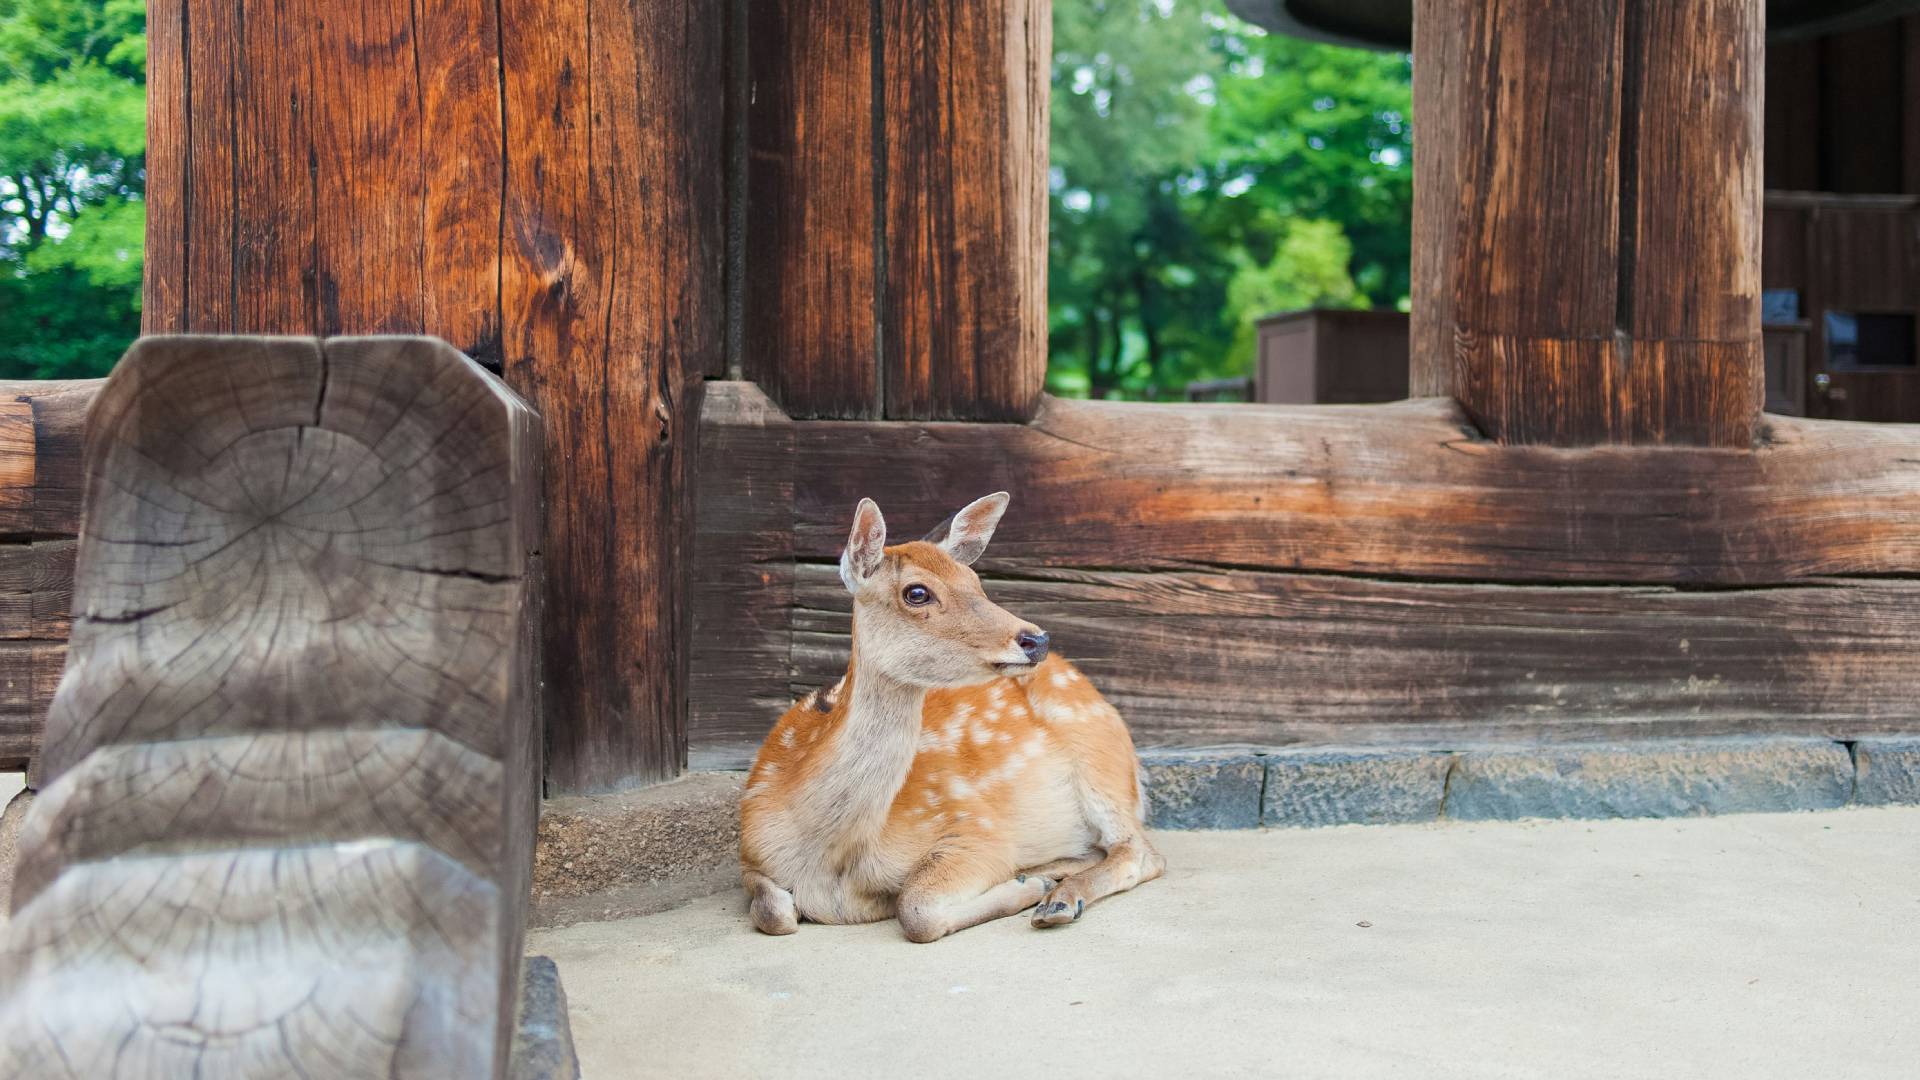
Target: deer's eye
<point>917,595</point>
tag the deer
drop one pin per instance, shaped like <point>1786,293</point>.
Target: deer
<point>960,771</point>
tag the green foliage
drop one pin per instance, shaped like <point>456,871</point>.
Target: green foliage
<point>72,179</point>
<point>1308,269</point>
<point>1206,174</point>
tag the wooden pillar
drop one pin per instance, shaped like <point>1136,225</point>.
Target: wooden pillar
<point>894,260</point>
<point>1587,218</point>
<point>539,182</point>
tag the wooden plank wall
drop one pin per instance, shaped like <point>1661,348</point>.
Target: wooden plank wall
<point>1843,111</point>
<point>540,183</point>
<point>40,487</point>
<point>895,249</point>
<point>1355,574</point>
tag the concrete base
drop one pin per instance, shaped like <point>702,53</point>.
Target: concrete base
<point>1756,946</point>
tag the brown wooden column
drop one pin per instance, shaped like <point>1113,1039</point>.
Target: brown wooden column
<point>1587,218</point>
<point>895,250</point>
<point>539,182</point>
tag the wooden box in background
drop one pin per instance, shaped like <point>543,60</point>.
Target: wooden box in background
<point>1325,356</point>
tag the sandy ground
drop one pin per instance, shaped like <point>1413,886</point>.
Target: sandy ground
<point>1753,946</point>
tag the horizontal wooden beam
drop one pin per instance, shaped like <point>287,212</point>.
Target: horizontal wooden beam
<point>41,424</point>
<point>1362,574</point>
<point>1408,489</point>
<point>1224,570</point>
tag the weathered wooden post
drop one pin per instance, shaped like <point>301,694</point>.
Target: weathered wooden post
<point>1587,218</point>
<point>539,182</point>
<point>896,241</point>
<point>290,792</point>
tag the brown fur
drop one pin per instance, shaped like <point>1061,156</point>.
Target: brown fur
<point>879,797</point>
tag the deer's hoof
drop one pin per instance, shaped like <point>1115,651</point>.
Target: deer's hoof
<point>1058,909</point>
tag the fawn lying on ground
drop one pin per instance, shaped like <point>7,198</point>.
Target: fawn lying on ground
<point>953,773</point>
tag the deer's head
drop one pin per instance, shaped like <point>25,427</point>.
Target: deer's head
<point>919,613</point>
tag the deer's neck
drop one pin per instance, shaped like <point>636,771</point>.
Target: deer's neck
<point>869,761</point>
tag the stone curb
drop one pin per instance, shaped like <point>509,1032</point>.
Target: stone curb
<point>1203,790</point>
<point>1311,788</point>
<point>1670,778</point>
<point>1887,771</point>
<point>1651,780</point>
<point>542,1033</point>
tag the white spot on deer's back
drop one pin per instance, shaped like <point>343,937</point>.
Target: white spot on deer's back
<point>1059,712</point>
<point>958,788</point>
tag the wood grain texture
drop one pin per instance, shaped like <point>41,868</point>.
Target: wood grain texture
<point>40,435</point>
<point>966,105</point>
<point>741,569</point>
<point>612,281</point>
<point>1586,267</point>
<point>811,309</point>
<point>1864,255</point>
<point>538,183</point>
<point>895,250</point>
<point>1196,658</point>
<point>1436,198</point>
<point>1783,244</point>
<point>40,448</point>
<point>301,694</point>
<point>1285,542</point>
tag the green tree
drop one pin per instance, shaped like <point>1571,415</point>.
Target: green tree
<point>1309,268</point>
<point>72,180</point>
<point>1205,174</point>
<point>1314,131</point>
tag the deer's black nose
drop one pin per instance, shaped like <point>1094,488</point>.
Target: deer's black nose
<point>1033,643</point>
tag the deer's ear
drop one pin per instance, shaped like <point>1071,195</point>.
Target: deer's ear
<point>964,535</point>
<point>866,545</point>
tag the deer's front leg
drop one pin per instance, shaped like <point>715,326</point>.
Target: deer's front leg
<point>1128,863</point>
<point>770,905</point>
<point>953,888</point>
